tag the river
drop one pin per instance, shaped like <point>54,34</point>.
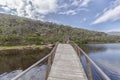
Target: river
<point>13,62</point>
<point>106,56</point>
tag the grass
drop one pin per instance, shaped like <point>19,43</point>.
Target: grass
<point>22,47</point>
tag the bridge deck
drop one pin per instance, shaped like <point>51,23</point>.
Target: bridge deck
<point>66,65</point>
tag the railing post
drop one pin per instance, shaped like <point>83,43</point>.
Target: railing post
<point>79,54</point>
<point>88,69</point>
<point>52,57</point>
<point>76,49</point>
<point>88,61</point>
<point>50,60</point>
<point>48,66</point>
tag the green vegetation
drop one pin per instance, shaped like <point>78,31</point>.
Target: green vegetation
<point>22,47</point>
<point>23,31</point>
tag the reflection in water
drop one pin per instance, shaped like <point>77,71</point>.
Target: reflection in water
<point>8,76</point>
<point>12,62</point>
<point>93,48</point>
<point>107,57</point>
<point>37,73</point>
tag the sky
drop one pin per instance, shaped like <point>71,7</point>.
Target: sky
<point>98,15</point>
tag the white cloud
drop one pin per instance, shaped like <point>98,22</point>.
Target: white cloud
<point>30,8</point>
<point>6,9</point>
<point>72,12</point>
<point>65,5</point>
<point>81,3</point>
<point>73,7</point>
<point>97,15</point>
<point>69,12</point>
<point>45,6</point>
<point>38,9</point>
<point>110,14</point>
<point>76,2</point>
<point>85,3</point>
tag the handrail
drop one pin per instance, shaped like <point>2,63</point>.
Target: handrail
<point>90,60</point>
<point>35,64</point>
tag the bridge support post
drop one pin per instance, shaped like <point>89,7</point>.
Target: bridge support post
<point>48,66</point>
<point>89,69</point>
<point>79,54</point>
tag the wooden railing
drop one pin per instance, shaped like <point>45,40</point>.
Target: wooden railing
<point>88,62</point>
<point>49,57</point>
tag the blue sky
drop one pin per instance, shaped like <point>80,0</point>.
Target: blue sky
<point>99,15</point>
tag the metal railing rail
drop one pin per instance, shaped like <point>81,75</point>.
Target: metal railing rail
<point>88,61</point>
<point>50,57</point>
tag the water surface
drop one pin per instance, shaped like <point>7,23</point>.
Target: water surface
<point>106,56</point>
<point>14,61</point>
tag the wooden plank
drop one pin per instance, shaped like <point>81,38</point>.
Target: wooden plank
<point>66,65</point>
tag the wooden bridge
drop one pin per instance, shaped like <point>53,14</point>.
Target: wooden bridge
<point>64,63</point>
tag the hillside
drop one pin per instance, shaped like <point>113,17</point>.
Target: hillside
<point>23,31</point>
<point>114,33</point>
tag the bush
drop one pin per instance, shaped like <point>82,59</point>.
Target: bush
<point>34,40</point>
<point>10,39</point>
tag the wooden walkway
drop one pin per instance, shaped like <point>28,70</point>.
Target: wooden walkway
<point>66,65</point>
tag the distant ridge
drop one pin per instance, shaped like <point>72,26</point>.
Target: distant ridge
<point>16,30</point>
<point>114,33</point>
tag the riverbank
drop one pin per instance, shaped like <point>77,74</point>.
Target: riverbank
<point>26,47</point>
<point>21,57</point>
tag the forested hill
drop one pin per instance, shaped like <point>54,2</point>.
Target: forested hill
<point>16,30</point>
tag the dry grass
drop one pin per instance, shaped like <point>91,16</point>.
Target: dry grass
<point>22,47</point>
